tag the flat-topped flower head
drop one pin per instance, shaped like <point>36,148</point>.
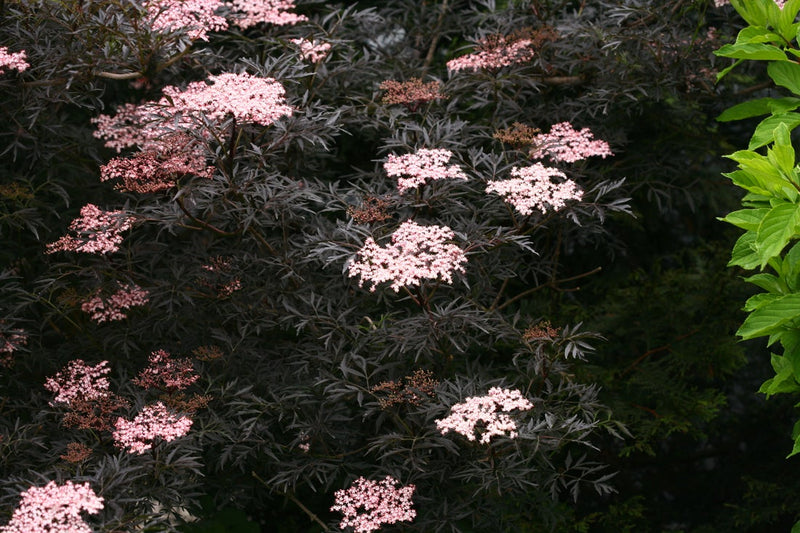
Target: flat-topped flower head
<point>533,188</point>
<point>12,61</point>
<point>495,52</point>
<point>367,505</point>
<point>197,17</point>
<point>109,308</point>
<point>411,93</point>
<point>95,232</point>
<point>413,170</point>
<point>485,416</point>
<point>79,381</point>
<point>313,50</point>
<point>248,13</point>
<point>54,508</point>
<point>153,422</point>
<point>566,144</point>
<point>416,253</point>
<point>166,372</point>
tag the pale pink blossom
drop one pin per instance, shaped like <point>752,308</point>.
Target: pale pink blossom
<point>367,505</point>
<point>413,170</point>
<point>533,188</point>
<point>11,340</point>
<point>312,50</point>
<point>113,307</point>
<point>495,52</point>
<point>153,422</point>
<point>251,12</point>
<point>166,372</point>
<point>95,232</point>
<point>485,415</point>
<point>12,61</point>
<point>566,144</point>
<point>79,381</point>
<point>417,253</point>
<point>197,17</point>
<point>54,508</point>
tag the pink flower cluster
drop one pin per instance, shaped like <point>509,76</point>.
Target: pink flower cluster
<point>104,309</point>
<point>566,144</point>
<point>413,170</point>
<point>79,381</point>
<point>416,253</point>
<point>195,16</point>
<point>312,50</point>
<point>164,372</point>
<point>96,232</point>
<point>54,508</point>
<point>244,96</point>
<point>252,12</point>
<point>157,168</point>
<point>367,504</point>
<point>16,61</point>
<point>153,421</point>
<point>11,340</point>
<point>494,53</point>
<point>532,188</point>
<point>487,415</point>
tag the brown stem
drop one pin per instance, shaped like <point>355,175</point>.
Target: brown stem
<point>552,284</point>
<point>203,222</point>
<point>435,40</point>
<point>648,353</point>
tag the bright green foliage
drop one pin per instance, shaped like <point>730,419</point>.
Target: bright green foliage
<point>771,218</point>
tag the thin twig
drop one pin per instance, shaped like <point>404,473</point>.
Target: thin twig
<point>292,497</point>
<point>435,40</point>
<point>549,284</point>
<point>203,222</point>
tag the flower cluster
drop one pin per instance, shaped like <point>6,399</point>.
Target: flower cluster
<point>416,253</point>
<point>532,188</point>
<point>312,50</point>
<point>76,452</point>
<point>518,135</point>
<point>110,308</point>
<point>372,209</point>
<point>157,168</point>
<point>495,52</point>
<point>153,421</point>
<point>487,415</point>
<point>252,12</point>
<point>219,279</point>
<point>367,504</point>
<point>79,381</point>
<point>16,61</point>
<point>409,390</point>
<point>164,372</point>
<point>413,170</point>
<point>11,340</point>
<point>195,16</point>
<point>54,507</point>
<point>95,232</point>
<point>411,93</point>
<point>566,144</point>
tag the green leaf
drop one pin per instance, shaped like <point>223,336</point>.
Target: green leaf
<point>755,13</point>
<point>777,228</point>
<point>768,282</point>
<point>785,74</point>
<point>757,34</point>
<point>744,254</point>
<point>759,106</point>
<point>795,451</point>
<point>747,219</point>
<point>770,317</point>
<point>758,174</point>
<point>790,271</point>
<point>766,52</point>
<point>765,131</point>
<point>724,71</point>
<point>759,300</point>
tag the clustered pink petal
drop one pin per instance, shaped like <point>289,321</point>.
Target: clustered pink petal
<point>153,421</point>
<point>495,53</point>
<point>566,144</point>
<point>16,61</point>
<point>312,50</point>
<point>252,12</point>
<point>95,232</point>
<point>195,16</point>
<point>104,309</point>
<point>486,415</point>
<point>164,372</point>
<point>54,508</point>
<point>367,504</point>
<point>11,340</point>
<point>533,188</point>
<point>134,125</point>
<point>413,170</point>
<point>79,381</point>
<point>416,253</point>
<point>158,167</point>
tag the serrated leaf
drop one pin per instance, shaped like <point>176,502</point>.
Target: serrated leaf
<point>765,131</point>
<point>769,318</point>
<point>777,228</point>
<point>768,282</point>
<point>747,219</point>
<point>744,254</point>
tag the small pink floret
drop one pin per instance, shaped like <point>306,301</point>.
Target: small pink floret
<point>566,144</point>
<point>501,52</point>
<point>413,170</point>
<point>153,422</point>
<point>197,17</point>
<point>251,12</point>
<point>16,61</point>
<point>367,505</point>
<point>312,50</point>
<point>533,188</point>
<point>104,309</point>
<point>95,232</point>
<point>79,381</point>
